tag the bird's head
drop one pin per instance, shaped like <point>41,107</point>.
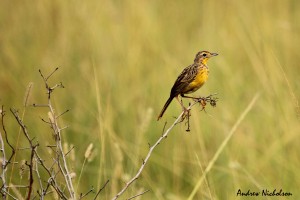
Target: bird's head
<point>203,56</point>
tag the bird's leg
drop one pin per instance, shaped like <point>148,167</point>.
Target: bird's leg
<point>201,100</point>
<point>186,112</point>
<point>182,106</point>
<point>194,98</point>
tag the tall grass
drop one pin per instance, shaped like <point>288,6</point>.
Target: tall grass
<point>118,61</point>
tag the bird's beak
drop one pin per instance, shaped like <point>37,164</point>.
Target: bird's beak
<point>214,54</point>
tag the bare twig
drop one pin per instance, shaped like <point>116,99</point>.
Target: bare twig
<point>164,128</point>
<point>69,150</point>
<point>42,194</point>
<point>5,162</point>
<point>6,138</point>
<point>57,133</point>
<point>8,194</point>
<point>212,100</point>
<point>30,165</point>
<point>51,181</point>
<point>36,165</point>
<point>135,196</point>
<point>32,146</point>
<point>101,189</point>
<point>147,157</point>
<point>24,129</point>
<point>63,128</point>
<point>39,105</point>
<point>45,79</point>
<point>62,113</point>
<point>87,193</point>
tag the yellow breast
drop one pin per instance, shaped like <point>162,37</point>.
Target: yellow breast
<point>199,80</point>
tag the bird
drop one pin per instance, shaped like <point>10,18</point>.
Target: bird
<point>189,80</point>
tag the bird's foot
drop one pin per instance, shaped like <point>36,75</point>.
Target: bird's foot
<point>186,113</point>
<point>201,101</point>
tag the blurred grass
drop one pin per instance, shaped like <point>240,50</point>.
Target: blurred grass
<point>118,61</point>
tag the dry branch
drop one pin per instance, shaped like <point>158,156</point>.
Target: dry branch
<point>101,189</point>
<point>60,155</point>
<point>209,99</point>
<point>5,161</point>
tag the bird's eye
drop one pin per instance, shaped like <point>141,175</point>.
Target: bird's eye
<point>204,54</point>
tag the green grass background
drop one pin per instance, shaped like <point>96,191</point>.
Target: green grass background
<point>118,61</point>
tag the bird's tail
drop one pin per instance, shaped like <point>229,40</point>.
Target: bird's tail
<point>165,107</point>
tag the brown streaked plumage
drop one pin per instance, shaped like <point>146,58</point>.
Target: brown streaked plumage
<point>190,79</point>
